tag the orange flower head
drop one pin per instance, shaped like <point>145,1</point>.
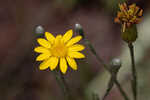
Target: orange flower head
<point>128,15</point>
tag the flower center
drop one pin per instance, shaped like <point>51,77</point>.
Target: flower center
<point>59,50</point>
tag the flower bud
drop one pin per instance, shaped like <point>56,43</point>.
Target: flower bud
<point>79,30</point>
<point>115,65</point>
<point>39,29</point>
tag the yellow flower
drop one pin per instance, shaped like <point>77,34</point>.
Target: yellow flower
<point>59,50</point>
<point>128,15</point>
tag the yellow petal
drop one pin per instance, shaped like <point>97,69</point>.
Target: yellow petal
<point>58,39</point>
<point>44,43</point>
<point>49,37</point>
<point>40,49</point>
<point>72,63</point>
<point>43,56</point>
<point>63,65</point>
<point>44,65</point>
<point>76,55</point>
<point>53,62</point>
<point>76,47</point>
<point>74,40</point>
<point>67,36</point>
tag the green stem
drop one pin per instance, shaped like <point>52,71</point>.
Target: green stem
<point>110,86</point>
<point>105,66</point>
<point>134,73</point>
<point>96,55</point>
<point>62,83</point>
<point>95,96</point>
<point>121,90</point>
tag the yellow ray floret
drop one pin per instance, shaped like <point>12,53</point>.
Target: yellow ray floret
<point>60,50</point>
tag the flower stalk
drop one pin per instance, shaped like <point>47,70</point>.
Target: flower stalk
<point>134,72</point>
<point>110,86</point>
<point>63,84</point>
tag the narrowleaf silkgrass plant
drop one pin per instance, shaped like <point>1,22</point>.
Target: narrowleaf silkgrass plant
<point>57,53</point>
<point>60,50</point>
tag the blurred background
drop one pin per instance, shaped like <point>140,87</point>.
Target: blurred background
<point>20,78</point>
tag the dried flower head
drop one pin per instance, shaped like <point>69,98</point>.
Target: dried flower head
<point>59,50</point>
<point>128,15</point>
